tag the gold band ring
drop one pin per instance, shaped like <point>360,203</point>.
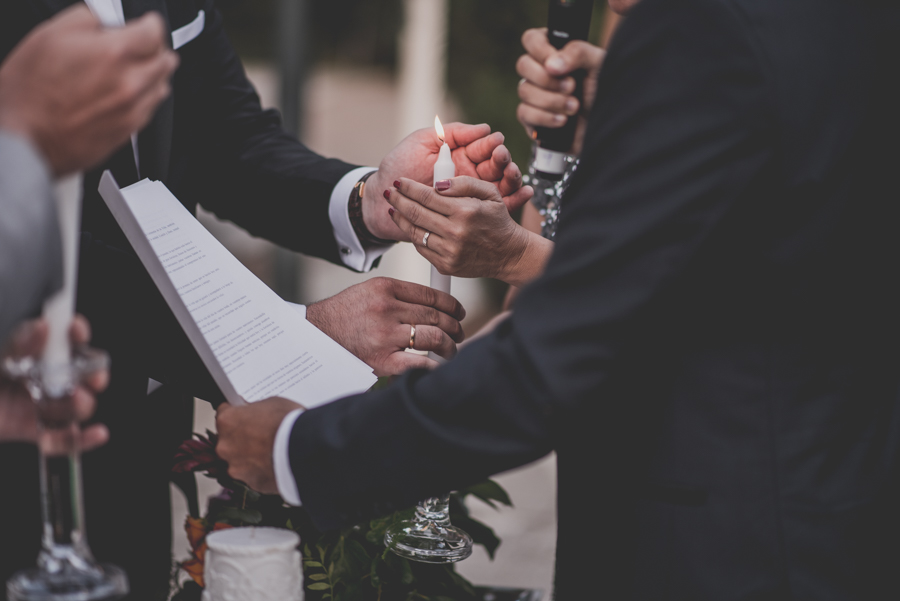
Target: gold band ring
<point>412,336</point>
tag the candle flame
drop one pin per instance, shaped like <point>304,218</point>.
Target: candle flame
<point>439,128</point>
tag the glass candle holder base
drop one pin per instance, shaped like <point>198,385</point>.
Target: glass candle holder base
<point>430,545</point>
<point>71,582</point>
<point>429,537</point>
<point>66,569</point>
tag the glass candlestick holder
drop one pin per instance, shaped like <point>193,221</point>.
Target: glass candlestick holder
<point>429,537</point>
<point>66,569</point>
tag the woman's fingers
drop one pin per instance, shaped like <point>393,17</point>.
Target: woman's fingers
<point>552,102</point>
<point>536,74</point>
<point>537,45</point>
<point>464,186</point>
<point>531,117</point>
<point>406,210</point>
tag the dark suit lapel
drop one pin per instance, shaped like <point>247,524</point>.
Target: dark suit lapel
<point>44,9</point>
<point>155,140</point>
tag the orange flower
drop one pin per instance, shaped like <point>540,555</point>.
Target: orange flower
<point>196,531</point>
<point>194,568</point>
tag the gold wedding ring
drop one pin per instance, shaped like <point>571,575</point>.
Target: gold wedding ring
<point>412,336</point>
<point>425,239</point>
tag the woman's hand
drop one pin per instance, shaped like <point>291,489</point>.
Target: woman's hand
<point>546,87</point>
<point>470,231</point>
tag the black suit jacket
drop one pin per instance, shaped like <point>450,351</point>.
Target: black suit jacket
<point>714,350</point>
<point>211,144</point>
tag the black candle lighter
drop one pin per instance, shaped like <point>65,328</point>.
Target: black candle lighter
<point>567,20</point>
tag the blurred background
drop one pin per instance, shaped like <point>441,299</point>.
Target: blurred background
<point>352,79</point>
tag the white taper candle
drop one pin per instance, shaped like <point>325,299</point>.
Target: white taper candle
<point>60,308</point>
<point>443,169</point>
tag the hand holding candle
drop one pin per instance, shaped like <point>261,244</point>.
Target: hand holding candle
<point>474,150</point>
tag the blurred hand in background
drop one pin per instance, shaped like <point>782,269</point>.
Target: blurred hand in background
<point>18,412</point>
<point>77,91</point>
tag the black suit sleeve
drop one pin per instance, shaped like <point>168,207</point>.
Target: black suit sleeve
<point>680,129</point>
<point>235,159</point>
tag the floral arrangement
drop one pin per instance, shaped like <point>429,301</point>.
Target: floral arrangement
<point>349,565</point>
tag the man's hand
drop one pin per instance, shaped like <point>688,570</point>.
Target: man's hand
<point>546,87</point>
<point>18,412</point>
<point>476,152</point>
<point>372,320</point>
<point>78,91</point>
<point>246,440</point>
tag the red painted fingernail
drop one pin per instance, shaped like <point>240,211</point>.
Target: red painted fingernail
<point>442,185</point>
<point>396,183</point>
<point>387,194</point>
<point>391,211</point>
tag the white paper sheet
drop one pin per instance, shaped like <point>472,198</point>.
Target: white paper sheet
<point>254,344</point>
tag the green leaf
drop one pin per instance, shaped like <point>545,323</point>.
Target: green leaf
<point>319,586</point>
<point>406,574</point>
<point>313,564</point>
<point>488,491</point>
<point>373,574</point>
<point>462,583</point>
<point>480,533</point>
<point>237,516</point>
<point>318,576</point>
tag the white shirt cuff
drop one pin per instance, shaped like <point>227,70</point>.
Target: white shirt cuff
<point>284,476</point>
<point>353,254</point>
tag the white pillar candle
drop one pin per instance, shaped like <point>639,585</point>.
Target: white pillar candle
<point>253,564</point>
<point>60,308</point>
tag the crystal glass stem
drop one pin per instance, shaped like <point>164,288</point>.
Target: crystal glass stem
<point>62,500</point>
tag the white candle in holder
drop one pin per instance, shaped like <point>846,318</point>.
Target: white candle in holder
<point>253,564</point>
<point>60,308</point>
<point>443,169</point>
